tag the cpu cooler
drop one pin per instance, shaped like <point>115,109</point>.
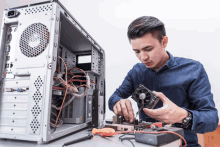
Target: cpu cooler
<point>144,97</point>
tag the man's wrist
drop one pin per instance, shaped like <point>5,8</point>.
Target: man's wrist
<point>183,115</point>
<point>185,121</point>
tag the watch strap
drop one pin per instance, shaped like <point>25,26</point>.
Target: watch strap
<point>187,122</point>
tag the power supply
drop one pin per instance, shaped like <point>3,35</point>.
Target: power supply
<point>45,90</point>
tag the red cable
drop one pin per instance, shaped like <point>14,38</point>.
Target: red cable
<point>58,88</point>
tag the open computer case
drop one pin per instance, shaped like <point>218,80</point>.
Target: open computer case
<point>45,92</point>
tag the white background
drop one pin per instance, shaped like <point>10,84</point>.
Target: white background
<point>193,29</point>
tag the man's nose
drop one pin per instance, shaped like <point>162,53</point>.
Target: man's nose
<point>144,56</point>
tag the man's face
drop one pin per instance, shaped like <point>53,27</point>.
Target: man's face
<point>150,51</point>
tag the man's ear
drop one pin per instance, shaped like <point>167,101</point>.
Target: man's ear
<point>165,41</point>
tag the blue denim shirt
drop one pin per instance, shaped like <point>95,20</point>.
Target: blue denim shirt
<point>184,82</point>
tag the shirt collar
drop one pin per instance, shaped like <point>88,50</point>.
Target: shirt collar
<point>171,62</point>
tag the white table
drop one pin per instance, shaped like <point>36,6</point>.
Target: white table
<point>96,141</point>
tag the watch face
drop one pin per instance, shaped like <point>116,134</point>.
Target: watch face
<point>187,121</point>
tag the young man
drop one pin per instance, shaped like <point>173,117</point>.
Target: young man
<point>181,84</point>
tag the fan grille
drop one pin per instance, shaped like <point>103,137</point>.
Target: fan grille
<point>34,40</point>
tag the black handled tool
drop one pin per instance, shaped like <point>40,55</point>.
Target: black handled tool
<point>78,140</point>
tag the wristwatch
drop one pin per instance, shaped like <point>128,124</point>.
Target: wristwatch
<point>187,122</point>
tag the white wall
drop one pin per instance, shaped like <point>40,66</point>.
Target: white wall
<point>193,28</point>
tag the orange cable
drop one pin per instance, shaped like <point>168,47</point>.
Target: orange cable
<point>82,86</point>
<point>78,69</point>
<point>81,81</point>
<point>64,95</point>
<point>58,88</point>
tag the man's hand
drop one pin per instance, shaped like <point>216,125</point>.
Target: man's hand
<point>123,108</point>
<point>170,113</point>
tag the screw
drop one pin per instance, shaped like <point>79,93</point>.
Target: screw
<point>49,66</point>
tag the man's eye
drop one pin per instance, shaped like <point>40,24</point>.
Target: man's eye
<point>137,52</point>
<point>148,49</point>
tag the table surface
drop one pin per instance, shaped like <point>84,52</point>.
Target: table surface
<point>96,141</point>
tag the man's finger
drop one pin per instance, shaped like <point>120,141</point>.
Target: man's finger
<point>130,111</point>
<point>124,110</point>
<point>115,110</point>
<point>156,112</point>
<point>161,96</point>
<point>156,117</point>
<point>118,106</point>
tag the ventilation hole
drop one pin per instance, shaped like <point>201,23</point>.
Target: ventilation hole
<point>36,97</point>
<point>34,40</point>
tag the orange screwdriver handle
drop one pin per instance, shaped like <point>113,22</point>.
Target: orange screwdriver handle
<point>104,132</point>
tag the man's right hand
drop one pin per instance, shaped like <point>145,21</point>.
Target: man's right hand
<point>123,108</point>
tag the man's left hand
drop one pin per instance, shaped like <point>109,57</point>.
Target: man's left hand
<point>170,113</point>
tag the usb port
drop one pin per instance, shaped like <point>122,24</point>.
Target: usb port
<point>7,58</point>
<point>7,49</point>
<point>6,65</point>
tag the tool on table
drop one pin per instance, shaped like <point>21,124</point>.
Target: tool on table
<point>78,140</point>
<point>105,132</point>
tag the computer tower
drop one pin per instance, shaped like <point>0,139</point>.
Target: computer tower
<point>40,51</point>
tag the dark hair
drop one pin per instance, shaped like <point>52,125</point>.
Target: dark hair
<point>146,24</point>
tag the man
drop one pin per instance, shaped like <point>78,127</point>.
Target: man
<point>181,84</point>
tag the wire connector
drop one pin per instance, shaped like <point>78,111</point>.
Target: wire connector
<point>20,90</point>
